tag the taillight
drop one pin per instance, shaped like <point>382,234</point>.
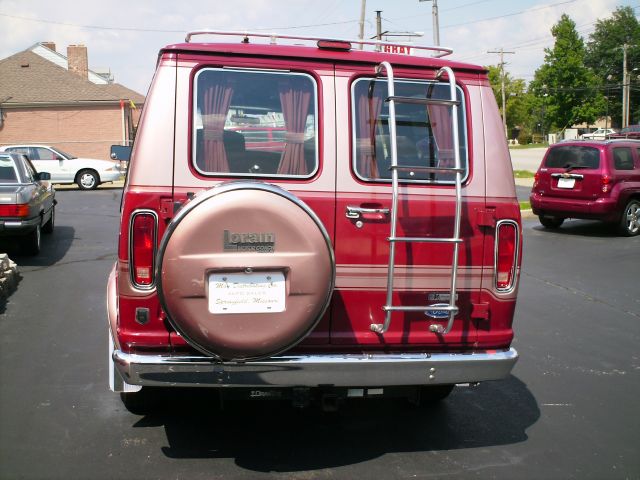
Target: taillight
<point>506,254</point>
<point>606,183</point>
<point>536,178</point>
<point>19,210</point>
<point>142,240</point>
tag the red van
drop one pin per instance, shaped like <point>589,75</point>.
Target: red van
<point>375,250</point>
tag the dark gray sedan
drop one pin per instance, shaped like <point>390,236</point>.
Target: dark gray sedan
<point>27,202</point>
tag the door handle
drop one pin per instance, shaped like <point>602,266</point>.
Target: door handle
<point>366,213</point>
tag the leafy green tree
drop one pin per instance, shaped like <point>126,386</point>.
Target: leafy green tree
<point>516,98</point>
<point>567,89</point>
<point>604,56</point>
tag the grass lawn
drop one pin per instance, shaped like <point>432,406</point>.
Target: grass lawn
<point>525,205</point>
<point>523,174</point>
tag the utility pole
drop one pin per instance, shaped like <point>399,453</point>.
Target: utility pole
<point>625,88</point>
<point>504,100</point>
<point>363,7</point>
<point>436,23</point>
<point>379,24</point>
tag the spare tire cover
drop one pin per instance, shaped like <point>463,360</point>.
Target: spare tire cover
<point>217,258</point>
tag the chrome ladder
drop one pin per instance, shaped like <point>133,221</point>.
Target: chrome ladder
<point>451,307</point>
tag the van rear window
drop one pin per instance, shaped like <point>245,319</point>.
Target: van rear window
<point>424,133</point>
<point>573,156</point>
<point>255,123</point>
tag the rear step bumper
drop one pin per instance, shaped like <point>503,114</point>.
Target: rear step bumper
<point>317,370</point>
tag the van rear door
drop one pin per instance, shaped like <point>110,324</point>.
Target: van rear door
<point>426,208</point>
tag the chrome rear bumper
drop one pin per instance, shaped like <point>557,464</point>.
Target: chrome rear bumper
<point>357,370</point>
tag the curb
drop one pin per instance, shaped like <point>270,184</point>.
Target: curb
<point>9,276</point>
<point>527,214</point>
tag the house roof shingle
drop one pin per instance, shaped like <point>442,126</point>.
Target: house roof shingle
<point>27,78</point>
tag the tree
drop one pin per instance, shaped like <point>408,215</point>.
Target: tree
<point>604,57</point>
<point>567,89</point>
<point>517,98</point>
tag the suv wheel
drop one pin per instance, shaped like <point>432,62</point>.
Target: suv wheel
<point>551,222</point>
<point>87,180</point>
<point>630,221</point>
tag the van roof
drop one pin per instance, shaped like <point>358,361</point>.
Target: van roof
<point>352,55</point>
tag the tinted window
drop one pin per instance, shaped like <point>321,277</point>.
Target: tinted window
<point>250,123</point>
<point>8,171</point>
<point>43,154</point>
<point>622,158</point>
<point>424,133</point>
<point>22,150</point>
<point>573,156</point>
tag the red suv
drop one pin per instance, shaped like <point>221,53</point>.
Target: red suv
<point>593,179</point>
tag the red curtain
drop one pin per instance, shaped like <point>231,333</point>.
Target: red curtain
<point>440,119</point>
<point>215,106</point>
<point>295,97</point>
<point>369,108</point>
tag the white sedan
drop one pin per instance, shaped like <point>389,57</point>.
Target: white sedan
<point>599,134</point>
<point>65,168</point>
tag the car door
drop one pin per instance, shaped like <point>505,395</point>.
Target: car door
<point>48,160</point>
<point>257,91</point>
<point>426,209</point>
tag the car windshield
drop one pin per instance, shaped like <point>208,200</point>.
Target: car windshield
<point>8,170</point>
<point>572,156</point>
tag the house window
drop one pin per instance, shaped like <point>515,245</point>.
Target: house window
<point>255,123</point>
<point>423,132</point>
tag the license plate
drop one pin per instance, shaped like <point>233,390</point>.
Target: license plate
<point>566,182</point>
<point>262,292</point>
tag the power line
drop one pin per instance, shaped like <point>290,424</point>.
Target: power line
<point>158,30</point>
<point>509,14</point>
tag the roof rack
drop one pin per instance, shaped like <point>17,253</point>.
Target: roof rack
<point>274,37</point>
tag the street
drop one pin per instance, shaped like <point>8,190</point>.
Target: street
<point>569,409</point>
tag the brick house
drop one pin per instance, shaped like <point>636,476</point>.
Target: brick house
<point>47,98</point>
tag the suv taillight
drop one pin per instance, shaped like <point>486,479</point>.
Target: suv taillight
<point>506,254</point>
<point>19,210</point>
<point>144,226</point>
<point>606,183</point>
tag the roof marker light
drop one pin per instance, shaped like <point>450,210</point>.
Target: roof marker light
<point>334,45</point>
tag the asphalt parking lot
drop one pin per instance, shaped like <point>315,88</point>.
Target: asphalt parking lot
<point>569,409</point>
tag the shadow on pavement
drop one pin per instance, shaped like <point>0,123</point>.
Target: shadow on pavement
<point>53,248</point>
<point>586,228</point>
<point>267,436</point>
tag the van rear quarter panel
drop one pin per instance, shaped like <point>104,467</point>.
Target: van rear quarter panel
<point>496,330</point>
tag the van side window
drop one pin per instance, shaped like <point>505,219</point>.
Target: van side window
<point>254,123</point>
<point>424,133</point>
<point>622,158</point>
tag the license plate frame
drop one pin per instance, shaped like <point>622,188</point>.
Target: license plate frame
<point>255,292</point>
<point>567,183</point>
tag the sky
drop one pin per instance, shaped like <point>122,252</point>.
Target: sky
<point>125,36</point>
